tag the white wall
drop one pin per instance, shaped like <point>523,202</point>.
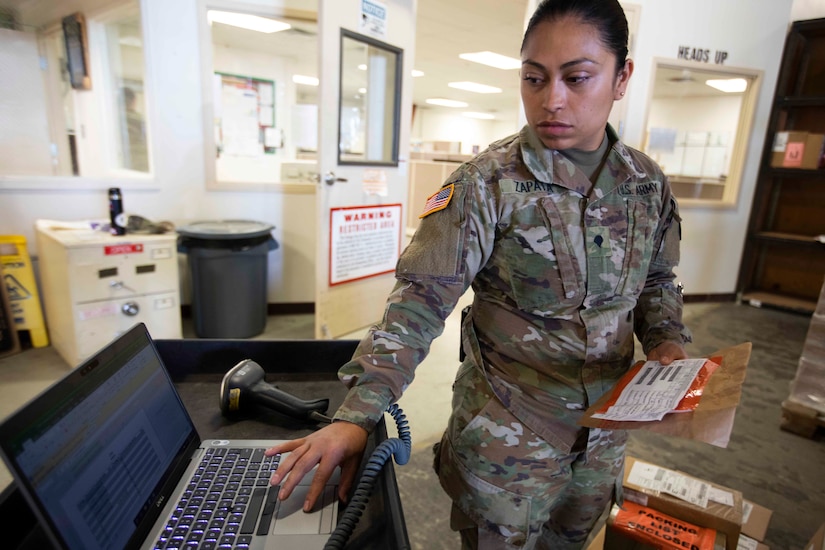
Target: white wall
<point>178,192</point>
<point>807,9</point>
<point>436,125</point>
<point>712,238</point>
<point>719,115</point>
<point>699,114</point>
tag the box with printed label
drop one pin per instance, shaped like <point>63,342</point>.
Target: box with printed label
<point>636,527</point>
<point>747,543</point>
<point>797,150</point>
<point>755,520</point>
<point>685,497</point>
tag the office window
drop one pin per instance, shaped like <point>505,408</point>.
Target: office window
<point>77,103</point>
<point>126,98</point>
<point>698,126</point>
<point>264,87</point>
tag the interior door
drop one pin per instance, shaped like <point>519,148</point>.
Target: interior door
<point>362,192</point>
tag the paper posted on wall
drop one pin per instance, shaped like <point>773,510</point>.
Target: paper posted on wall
<point>651,390</point>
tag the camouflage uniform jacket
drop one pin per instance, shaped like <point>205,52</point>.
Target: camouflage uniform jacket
<point>562,270</point>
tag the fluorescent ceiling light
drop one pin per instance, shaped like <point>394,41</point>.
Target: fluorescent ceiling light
<point>131,41</point>
<point>446,102</point>
<point>246,21</point>
<point>729,85</point>
<point>492,59</point>
<point>362,67</point>
<point>307,80</point>
<point>475,87</point>
<point>416,73</point>
<point>482,116</point>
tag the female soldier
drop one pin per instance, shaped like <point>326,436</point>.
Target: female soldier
<point>568,239</point>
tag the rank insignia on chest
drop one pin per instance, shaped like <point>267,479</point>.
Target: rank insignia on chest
<point>439,200</point>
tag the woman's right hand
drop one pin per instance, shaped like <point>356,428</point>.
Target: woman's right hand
<point>338,444</point>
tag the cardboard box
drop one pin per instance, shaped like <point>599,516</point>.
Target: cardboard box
<point>747,543</point>
<point>597,541</point>
<point>626,528</point>
<point>651,485</point>
<point>797,150</point>
<point>817,542</point>
<point>755,520</point>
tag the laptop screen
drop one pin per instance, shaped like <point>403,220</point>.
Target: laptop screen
<point>98,447</point>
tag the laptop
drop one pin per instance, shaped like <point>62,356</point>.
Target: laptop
<point>109,458</point>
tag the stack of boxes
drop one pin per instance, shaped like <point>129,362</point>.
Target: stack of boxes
<point>698,502</point>
<point>741,524</point>
<point>804,410</point>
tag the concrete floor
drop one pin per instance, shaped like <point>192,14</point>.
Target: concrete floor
<point>774,468</point>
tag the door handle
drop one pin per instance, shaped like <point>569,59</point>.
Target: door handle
<point>329,178</point>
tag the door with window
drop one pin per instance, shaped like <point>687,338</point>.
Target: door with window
<point>365,112</point>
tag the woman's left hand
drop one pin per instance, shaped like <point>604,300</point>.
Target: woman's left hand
<point>667,352</point>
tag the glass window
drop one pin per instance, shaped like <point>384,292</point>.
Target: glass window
<point>370,101</point>
<point>264,86</point>
<point>698,126</point>
<point>78,106</point>
<point>124,54</point>
<point>62,120</point>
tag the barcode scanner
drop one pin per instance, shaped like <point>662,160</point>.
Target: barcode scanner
<point>243,388</point>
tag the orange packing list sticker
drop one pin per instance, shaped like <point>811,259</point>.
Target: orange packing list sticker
<point>650,526</point>
<point>690,399</point>
<point>438,200</point>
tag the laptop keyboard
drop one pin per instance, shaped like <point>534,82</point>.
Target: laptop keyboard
<point>221,505</point>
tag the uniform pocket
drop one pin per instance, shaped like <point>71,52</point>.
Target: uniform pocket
<point>495,469</point>
<point>638,247</point>
<point>544,274</point>
<point>437,247</point>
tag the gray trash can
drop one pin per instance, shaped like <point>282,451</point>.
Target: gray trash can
<point>228,266</point>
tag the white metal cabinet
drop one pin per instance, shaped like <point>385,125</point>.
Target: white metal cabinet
<point>96,286</point>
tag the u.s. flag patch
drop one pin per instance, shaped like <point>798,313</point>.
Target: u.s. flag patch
<point>439,200</point>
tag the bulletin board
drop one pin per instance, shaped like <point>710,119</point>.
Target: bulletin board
<point>245,116</point>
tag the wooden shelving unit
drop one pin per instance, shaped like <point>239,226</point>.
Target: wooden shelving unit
<point>783,264</point>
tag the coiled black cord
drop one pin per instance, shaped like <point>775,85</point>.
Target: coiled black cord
<point>400,448</point>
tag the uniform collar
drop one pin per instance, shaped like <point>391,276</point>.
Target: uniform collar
<point>550,166</point>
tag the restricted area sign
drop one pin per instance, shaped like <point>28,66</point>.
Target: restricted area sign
<point>364,241</point>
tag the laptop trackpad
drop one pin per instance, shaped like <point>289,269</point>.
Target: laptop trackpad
<point>290,519</point>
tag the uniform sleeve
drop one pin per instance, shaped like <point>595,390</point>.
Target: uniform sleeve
<point>447,250</point>
<point>658,313</point>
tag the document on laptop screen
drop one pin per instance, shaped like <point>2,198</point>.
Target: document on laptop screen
<point>97,460</point>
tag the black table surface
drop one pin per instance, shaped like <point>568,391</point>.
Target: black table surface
<point>305,368</point>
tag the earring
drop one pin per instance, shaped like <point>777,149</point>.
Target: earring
<point>622,94</point>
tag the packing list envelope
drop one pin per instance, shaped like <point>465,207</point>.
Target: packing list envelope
<point>711,421</point>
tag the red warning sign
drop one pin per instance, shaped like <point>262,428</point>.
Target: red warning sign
<point>129,248</point>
